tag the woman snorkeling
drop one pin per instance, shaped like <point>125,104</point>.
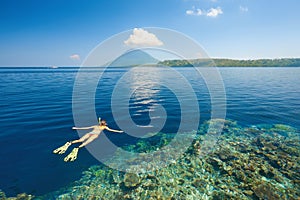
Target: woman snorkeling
<point>86,139</point>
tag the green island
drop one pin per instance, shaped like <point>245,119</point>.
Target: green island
<point>223,62</point>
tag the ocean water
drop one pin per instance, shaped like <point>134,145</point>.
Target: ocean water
<point>36,113</point>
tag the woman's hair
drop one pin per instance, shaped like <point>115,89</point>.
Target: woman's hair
<point>103,122</point>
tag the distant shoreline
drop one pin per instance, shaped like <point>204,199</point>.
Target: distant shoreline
<point>222,62</point>
<point>207,62</point>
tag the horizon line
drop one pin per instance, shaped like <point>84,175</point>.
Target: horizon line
<point>213,58</point>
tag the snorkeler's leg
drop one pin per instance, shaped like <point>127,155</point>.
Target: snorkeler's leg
<point>86,136</point>
<point>73,155</point>
<point>62,149</point>
<point>91,138</point>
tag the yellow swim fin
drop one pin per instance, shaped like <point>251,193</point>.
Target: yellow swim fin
<point>72,156</point>
<point>62,149</point>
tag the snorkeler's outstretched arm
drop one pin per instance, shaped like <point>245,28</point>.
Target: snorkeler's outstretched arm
<point>82,128</point>
<point>112,130</point>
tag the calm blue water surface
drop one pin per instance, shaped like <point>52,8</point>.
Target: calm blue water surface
<point>36,114</point>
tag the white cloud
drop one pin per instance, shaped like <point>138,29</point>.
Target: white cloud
<point>75,57</point>
<point>200,12</point>
<point>197,12</point>
<point>212,12</point>
<point>189,12</point>
<point>141,37</point>
<point>243,9</point>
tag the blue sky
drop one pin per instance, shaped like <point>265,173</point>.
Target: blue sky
<point>63,32</point>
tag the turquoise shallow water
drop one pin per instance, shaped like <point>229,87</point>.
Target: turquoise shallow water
<point>257,162</point>
<point>36,117</point>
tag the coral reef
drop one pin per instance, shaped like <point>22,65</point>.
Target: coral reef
<point>131,180</point>
<point>21,196</point>
<point>257,162</point>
